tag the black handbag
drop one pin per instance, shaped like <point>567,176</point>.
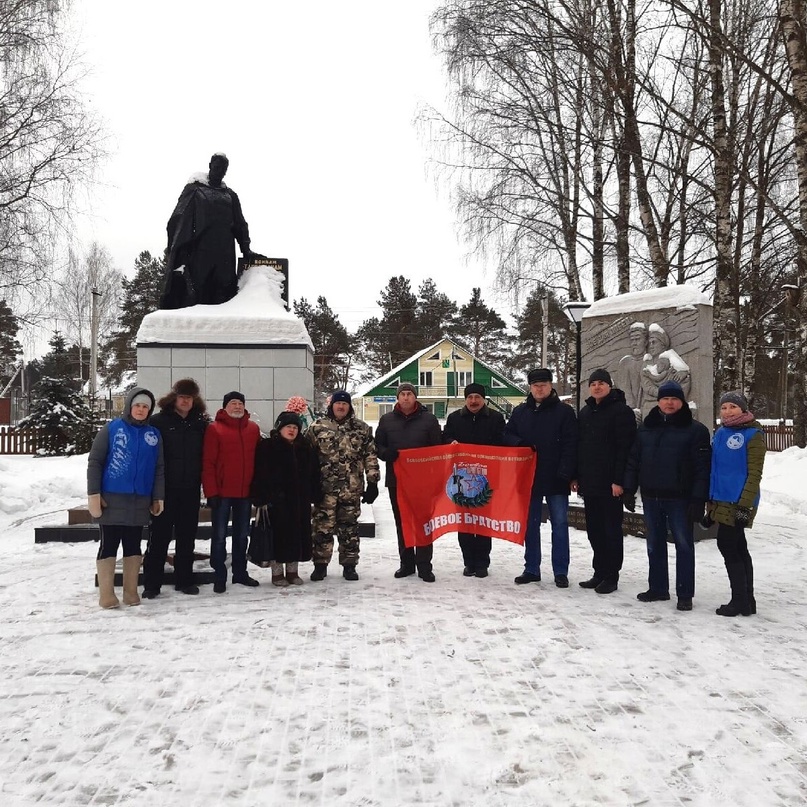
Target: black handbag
<point>260,539</point>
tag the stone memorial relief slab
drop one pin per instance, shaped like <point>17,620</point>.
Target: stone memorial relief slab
<point>649,337</point>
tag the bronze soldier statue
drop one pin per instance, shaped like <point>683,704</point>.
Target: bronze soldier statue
<point>200,263</point>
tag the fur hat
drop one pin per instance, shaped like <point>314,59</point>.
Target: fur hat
<point>601,375</point>
<point>234,396</point>
<point>406,386</point>
<point>671,389</point>
<point>475,389</point>
<point>539,375</point>
<point>288,419</point>
<point>735,397</point>
<point>186,386</point>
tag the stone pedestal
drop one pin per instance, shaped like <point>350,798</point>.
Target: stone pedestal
<point>250,344</point>
<point>267,375</point>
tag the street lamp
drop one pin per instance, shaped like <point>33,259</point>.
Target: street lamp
<point>574,311</point>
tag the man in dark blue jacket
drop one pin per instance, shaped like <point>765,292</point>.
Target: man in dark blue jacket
<point>549,426</point>
<point>670,462</point>
<point>607,429</point>
<point>477,424</point>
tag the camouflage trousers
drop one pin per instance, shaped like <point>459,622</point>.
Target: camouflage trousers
<point>340,516</point>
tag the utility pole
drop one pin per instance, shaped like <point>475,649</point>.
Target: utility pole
<point>544,329</point>
<point>94,347</point>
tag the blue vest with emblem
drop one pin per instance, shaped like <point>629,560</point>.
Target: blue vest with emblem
<point>730,464</point>
<point>131,458</point>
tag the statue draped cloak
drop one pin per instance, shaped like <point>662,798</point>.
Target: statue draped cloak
<point>201,231</point>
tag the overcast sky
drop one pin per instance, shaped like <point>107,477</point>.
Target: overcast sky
<point>312,102</point>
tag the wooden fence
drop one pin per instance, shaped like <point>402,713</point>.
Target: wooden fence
<point>778,437</point>
<point>14,440</point>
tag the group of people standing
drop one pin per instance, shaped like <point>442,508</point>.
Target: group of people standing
<point>147,468</point>
<point>684,478</point>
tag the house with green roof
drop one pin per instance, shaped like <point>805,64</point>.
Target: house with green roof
<point>440,374</point>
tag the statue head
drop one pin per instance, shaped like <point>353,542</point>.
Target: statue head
<point>637,334</point>
<point>657,341</point>
<point>217,168</point>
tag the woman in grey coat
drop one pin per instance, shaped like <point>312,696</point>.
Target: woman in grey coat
<point>125,482</point>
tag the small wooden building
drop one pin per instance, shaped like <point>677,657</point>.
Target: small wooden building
<point>440,372</point>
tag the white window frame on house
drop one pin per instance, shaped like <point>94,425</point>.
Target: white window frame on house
<point>434,357</point>
<point>464,377</point>
<point>385,409</point>
<point>426,378</point>
<point>496,384</point>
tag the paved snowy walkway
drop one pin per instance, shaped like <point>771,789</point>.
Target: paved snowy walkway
<point>396,692</point>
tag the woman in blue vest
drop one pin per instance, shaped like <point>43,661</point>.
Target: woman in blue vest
<point>125,482</point>
<point>738,455</point>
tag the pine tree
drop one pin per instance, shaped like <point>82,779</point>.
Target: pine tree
<point>482,330</point>
<point>435,313</point>
<point>332,346</point>
<point>59,363</point>
<point>10,348</point>
<point>141,296</point>
<point>560,335</point>
<point>63,415</point>
<point>396,336</point>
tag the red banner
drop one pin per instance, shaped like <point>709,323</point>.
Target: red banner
<point>464,488</point>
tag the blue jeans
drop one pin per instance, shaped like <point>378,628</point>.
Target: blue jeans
<point>241,509</point>
<point>559,518</point>
<point>659,515</point>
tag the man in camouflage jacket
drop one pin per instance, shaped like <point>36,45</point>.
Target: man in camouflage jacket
<point>346,453</point>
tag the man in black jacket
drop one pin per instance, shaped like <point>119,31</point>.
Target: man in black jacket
<point>409,425</point>
<point>607,429</point>
<point>181,421</point>
<point>477,424</point>
<point>547,425</point>
<point>670,461</point>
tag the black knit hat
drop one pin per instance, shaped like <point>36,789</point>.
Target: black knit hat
<point>735,397</point>
<point>475,389</point>
<point>186,386</point>
<point>288,419</point>
<point>671,389</point>
<point>234,396</point>
<point>601,375</point>
<point>340,395</point>
<point>539,375</point>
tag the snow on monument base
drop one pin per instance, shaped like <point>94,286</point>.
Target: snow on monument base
<point>250,343</point>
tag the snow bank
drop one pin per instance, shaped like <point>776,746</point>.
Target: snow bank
<point>256,315</point>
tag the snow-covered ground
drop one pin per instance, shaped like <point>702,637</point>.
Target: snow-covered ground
<point>394,692</point>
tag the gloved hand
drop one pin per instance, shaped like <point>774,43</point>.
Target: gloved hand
<point>391,454</point>
<point>629,501</point>
<point>370,493</point>
<point>95,504</point>
<point>696,509</point>
<point>157,506</point>
<point>742,515</point>
<point>213,502</point>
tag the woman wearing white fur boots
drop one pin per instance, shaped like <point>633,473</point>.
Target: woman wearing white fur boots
<point>125,482</point>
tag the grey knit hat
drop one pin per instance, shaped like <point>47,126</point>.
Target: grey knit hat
<point>735,397</point>
<point>406,386</point>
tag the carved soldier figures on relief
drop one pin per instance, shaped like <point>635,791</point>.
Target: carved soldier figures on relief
<point>200,265</point>
<point>630,367</point>
<point>646,338</point>
<point>661,364</point>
